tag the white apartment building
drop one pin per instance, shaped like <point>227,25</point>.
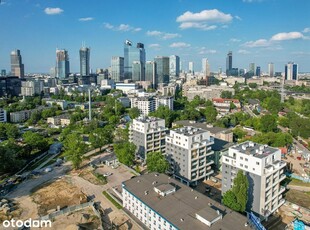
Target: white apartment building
<point>188,150</point>
<point>32,87</point>
<point>264,169</point>
<point>148,134</point>
<point>165,101</point>
<point>160,202</point>
<point>3,115</point>
<point>144,104</point>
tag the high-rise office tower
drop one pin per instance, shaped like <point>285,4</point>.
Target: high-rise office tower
<point>174,65</point>
<point>132,54</point>
<point>229,63</point>
<point>162,69</point>
<point>252,69</point>
<point>84,61</point>
<point>117,69</point>
<point>191,67</point>
<point>3,72</point>
<point>17,66</point>
<point>150,72</point>
<point>205,67</point>
<point>137,71</point>
<point>62,64</point>
<point>271,69</point>
<point>291,71</point>
<point>257,73</point>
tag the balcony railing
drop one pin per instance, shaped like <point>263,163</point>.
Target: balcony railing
<point>282,189</point>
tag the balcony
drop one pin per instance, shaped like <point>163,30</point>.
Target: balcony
<point>282,189</point>
<point>210,163</point>
<point>281,202</point>
<point>209,153</point>
<point>282,177</point>
<point>209,173</point>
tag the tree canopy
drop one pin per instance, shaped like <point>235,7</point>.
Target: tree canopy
<point>157,162</point>
<point>75,148</point>
<point>125,152</point>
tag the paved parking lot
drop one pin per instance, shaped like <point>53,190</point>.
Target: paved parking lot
<point>120,174</point>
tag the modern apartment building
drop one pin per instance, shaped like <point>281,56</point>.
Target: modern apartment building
<point>32,87</point>
<point>165,101</point>
<point>3,116</point>
<point>264,169</point>
<point>188,150</point>
<point>160,202</point>
<point>144,104</point>
<point>148,134</point>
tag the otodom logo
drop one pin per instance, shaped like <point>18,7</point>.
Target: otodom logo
<point>27,223</point>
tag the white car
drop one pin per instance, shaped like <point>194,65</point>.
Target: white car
<point>107,174</point>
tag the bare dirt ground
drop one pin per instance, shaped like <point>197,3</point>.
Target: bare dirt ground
<point>61,193</point>
<point>298,197</point>
<point>88,174</point>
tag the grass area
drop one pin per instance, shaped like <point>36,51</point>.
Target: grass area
<point>116,204</point>
<point>100,177</point>
<point>298,197</point>
<point>298,183</point>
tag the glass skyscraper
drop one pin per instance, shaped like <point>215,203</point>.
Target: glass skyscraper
<point>162,69</point>
<point>117,69</point>
<point>291,71</point>
<point>84,61</point>
<point>17,67</point>
<point>205,67</point>
<point>150,72</point>
<point>271,69</point>
<point>133,54</point>
<point>62,64</point>
<point>229,63</point>
<point>174,65</point>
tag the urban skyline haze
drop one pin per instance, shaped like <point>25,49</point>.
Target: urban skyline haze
<point>256,31</point>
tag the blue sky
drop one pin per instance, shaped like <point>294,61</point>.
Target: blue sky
<point>259,31</point>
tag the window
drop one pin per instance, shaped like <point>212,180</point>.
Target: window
<point>246,166</point>
<point>257,163</point>
<point>253,169</point>
<point>241,165</point>
<point>246,159</point>
<point>241,158</point>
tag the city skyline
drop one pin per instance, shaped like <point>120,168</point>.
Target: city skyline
<point>254,30</point>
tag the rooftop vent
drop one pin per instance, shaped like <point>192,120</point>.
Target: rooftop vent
<point>182,219</point>
<point>210,204</point>
<point>243,147</point>
<point>196,197</point>
<point>138,181</point>
<point>192,190</point>
<point>146,193</point>
<point>156,174</point>
<point>154,182</point>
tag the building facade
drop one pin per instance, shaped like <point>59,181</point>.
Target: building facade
<point>84,61</point>
<point>132,54</point>
<point>174,65</point>
<point>32,87</point>
<point>144,104</point>
<point>148,134</point>
<point>162,203</point>
<point>150,72</point>
<point>62,64</point>
<point>117,69</point>
<point>291,71</point>
<point>205,67</point>
<point>162,69</point>
<point>271,69</point>
<point>264,169</point>
<point>17,66</point>
<point>229,60</point>
<point>3,115</point>
<point>189,153</point>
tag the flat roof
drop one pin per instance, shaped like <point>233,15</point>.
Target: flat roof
<point>255,149</point>
<point>202,126</point>
<point>189,130</point>
<point>181,207</point>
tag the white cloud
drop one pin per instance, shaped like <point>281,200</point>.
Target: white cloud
<point>257,43</point>
<point>197,25</point>
<point>287,36</point>
<point>86,19</point>
<point>250,1</point>
<point>154,46</point>
<point>162,35</point>
<point>306,30</point>
<point>239,18</point>
<point>243,52</point>
<point>108,25</point>
<point>53,11</point>
<point>121,27</point>
<point>206,16</point>
<point>179,45</point>
<point>206,51</point>
<point>234,40</point>
<point>204,20</point>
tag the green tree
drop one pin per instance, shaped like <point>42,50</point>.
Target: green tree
<point>268,123</point>
<point>75,148</point>
<point>101,136</point>
<point>253,85</point>
<point>35,141</point>
<point>157,162</point>
<point>125,152</point>
<point>165,113</point>
<point>210,114</point>
<point>237,197</point>
<point>134,112</point>
<point>226,94</point>
<point>239,133</point>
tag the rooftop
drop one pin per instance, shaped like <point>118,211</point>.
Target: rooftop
<point>212,130</point>
<point>145,119</point>
<point>180,207</point>
<point>257,150</point>
<point>189,130</point>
